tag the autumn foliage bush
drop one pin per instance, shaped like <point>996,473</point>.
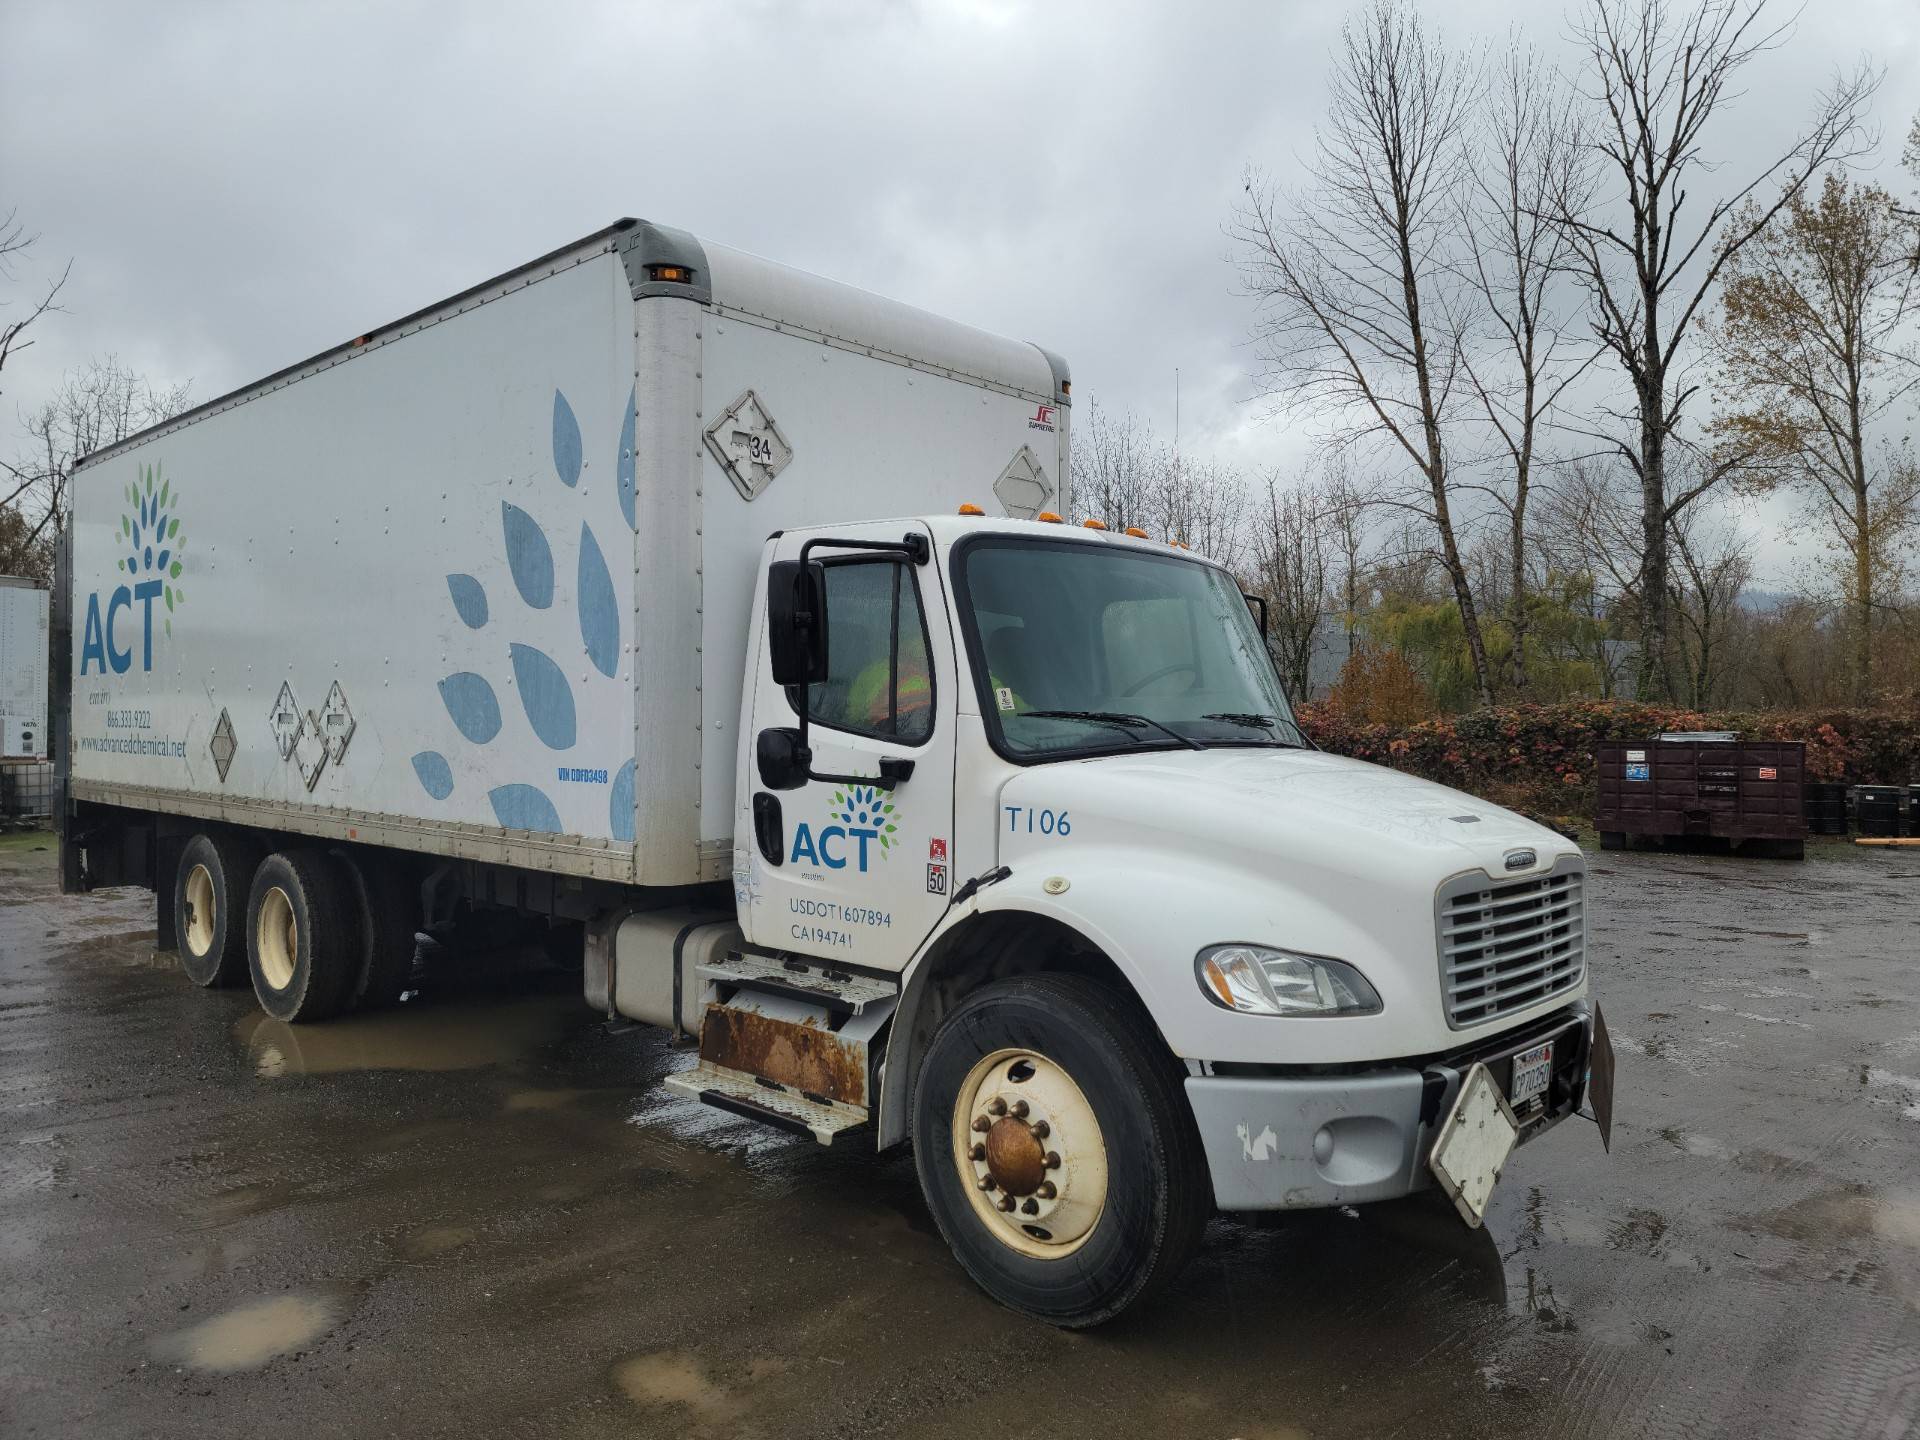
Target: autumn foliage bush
<point>1540,758</point>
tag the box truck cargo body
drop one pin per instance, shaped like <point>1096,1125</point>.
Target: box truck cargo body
<point>723,620</point>
<point>477,584</point>
<point>23,669</point>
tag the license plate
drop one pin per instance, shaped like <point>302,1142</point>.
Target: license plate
<point>1531,1071</point>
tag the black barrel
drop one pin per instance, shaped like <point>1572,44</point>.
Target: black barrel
<point>1877,808</point>
<point>1913,809</point>
<point>1827,809</point>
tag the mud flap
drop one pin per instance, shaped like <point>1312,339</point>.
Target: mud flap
<point>1600,1079</point>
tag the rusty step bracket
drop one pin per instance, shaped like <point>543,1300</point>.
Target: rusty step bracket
<point>838,990</point>
<point>741,1094</point>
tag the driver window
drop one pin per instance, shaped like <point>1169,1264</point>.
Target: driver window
<point>1141,637</point>
<point>879,680</point>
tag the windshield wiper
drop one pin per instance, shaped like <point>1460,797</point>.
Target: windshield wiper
<point>1253,721</point>
<point>1117,718</point>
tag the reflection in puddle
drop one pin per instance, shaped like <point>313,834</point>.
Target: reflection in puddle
<point>248,1336</point>
<point>462,1035</point>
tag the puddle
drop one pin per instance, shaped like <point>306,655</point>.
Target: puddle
<point>522,1100</point>
<point>1850,1213</point>
<point>248,1336</point>
<point>673,1377</point>
<point>463,1035</point>
<point>437,1240</point>
<point>1705,1146</point>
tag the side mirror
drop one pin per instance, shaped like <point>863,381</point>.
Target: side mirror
<point>783,760</point>
<point>797,622</point>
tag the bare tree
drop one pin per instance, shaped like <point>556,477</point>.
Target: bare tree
<point>1293,551</point>
<point>98,405</point>
<point>1658,77</point>
<point>1116,462</point>
<point>1716,566</point>
<point>1813,338</point>
<point>1358,296</point>
<point>14,242</point>
<point>1528,158</point>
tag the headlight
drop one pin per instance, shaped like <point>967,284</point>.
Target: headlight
<point>1259,981</point>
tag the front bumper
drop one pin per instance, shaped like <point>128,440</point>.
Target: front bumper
<point>1303,1141</point>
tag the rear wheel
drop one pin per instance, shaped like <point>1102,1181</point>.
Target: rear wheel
<point>303,935</point>
<point>210,907</point>
<point>1613,839</point>
<point>1056,1150</point>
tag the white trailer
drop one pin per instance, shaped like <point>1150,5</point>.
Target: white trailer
<point>574,597</point>
<point>23,669</point>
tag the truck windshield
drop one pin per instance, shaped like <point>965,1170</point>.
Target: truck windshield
<point>1085,647</point>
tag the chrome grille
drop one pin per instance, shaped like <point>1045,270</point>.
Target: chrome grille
<point>1508,944</point>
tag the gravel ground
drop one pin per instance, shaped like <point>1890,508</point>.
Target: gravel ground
<point>479,1216</point>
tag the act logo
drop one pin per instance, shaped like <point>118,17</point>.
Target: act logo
<point>861,815</point>
<point>150,535</point>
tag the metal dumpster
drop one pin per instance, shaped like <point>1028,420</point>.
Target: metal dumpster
<point>1748,792</point>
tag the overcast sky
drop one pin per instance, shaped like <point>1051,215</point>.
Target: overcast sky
<point>241,185</point>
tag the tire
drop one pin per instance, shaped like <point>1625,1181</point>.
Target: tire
<point>1613,840</point>
<point>1150,1181</point>
<point>303,935</point>
<point>388,908</point>
<point>210,907</point>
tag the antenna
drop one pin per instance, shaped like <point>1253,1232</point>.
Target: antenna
<point>1176,427</point>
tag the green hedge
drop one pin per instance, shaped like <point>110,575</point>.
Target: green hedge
<point>1541,757</point>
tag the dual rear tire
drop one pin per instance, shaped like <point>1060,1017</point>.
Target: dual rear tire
<point>315,932</point>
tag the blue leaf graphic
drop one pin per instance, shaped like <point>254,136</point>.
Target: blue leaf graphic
<point>471,703</point>
<point>620,805</point>
<point>599,611</point>
<point>623,472</point>
<point>469,599</point>
<point>529,556</point>
<point>566,442</point>
<point>436,776</point>
<point>524,807</point>
<point>161,563</point>
<point>545,696</point>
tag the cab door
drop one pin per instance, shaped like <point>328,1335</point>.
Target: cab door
<point>848,868</point>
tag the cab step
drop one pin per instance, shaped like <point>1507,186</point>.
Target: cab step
<point>755,1099</point>
<point>814,981</point>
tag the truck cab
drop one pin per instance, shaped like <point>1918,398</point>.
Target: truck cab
<point>1029,841</point>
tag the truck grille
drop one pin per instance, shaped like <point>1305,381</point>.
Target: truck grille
<point>1508,944</point>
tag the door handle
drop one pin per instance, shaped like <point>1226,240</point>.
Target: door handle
<point>768,831</point>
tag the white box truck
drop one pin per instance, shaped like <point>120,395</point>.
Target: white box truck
<point>23,669</point>
<point>727,615</point>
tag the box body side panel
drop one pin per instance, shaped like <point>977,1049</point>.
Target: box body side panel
<point>395,590</point>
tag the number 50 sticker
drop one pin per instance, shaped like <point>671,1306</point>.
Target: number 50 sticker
<point>1033,820</point>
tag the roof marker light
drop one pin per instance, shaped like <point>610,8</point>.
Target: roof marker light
<point>971,510</point>
<point>1047,517</point>
<point>1136,532</point>
<point>1092,523</point>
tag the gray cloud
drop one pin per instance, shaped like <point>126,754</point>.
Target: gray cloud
<point>240,185</point>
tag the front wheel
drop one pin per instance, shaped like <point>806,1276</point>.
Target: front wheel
<point>1056,1150</point>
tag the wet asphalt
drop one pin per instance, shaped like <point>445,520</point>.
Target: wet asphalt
<point>479,1216</point>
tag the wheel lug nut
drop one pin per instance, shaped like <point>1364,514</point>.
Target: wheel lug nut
<point>983,1124</point>
<point>1019,1109</point>
<point>985,1182</point>
<point>1007,1203</point>
<point>1047,1190</point>
<point>979,1152</point>
<point>996,1106</point>
<point>1041,1130</point>
<point>1053,1159</point>
<point>1031,1207</point>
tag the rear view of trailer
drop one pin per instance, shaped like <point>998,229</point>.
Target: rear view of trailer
<point>475,585</point>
